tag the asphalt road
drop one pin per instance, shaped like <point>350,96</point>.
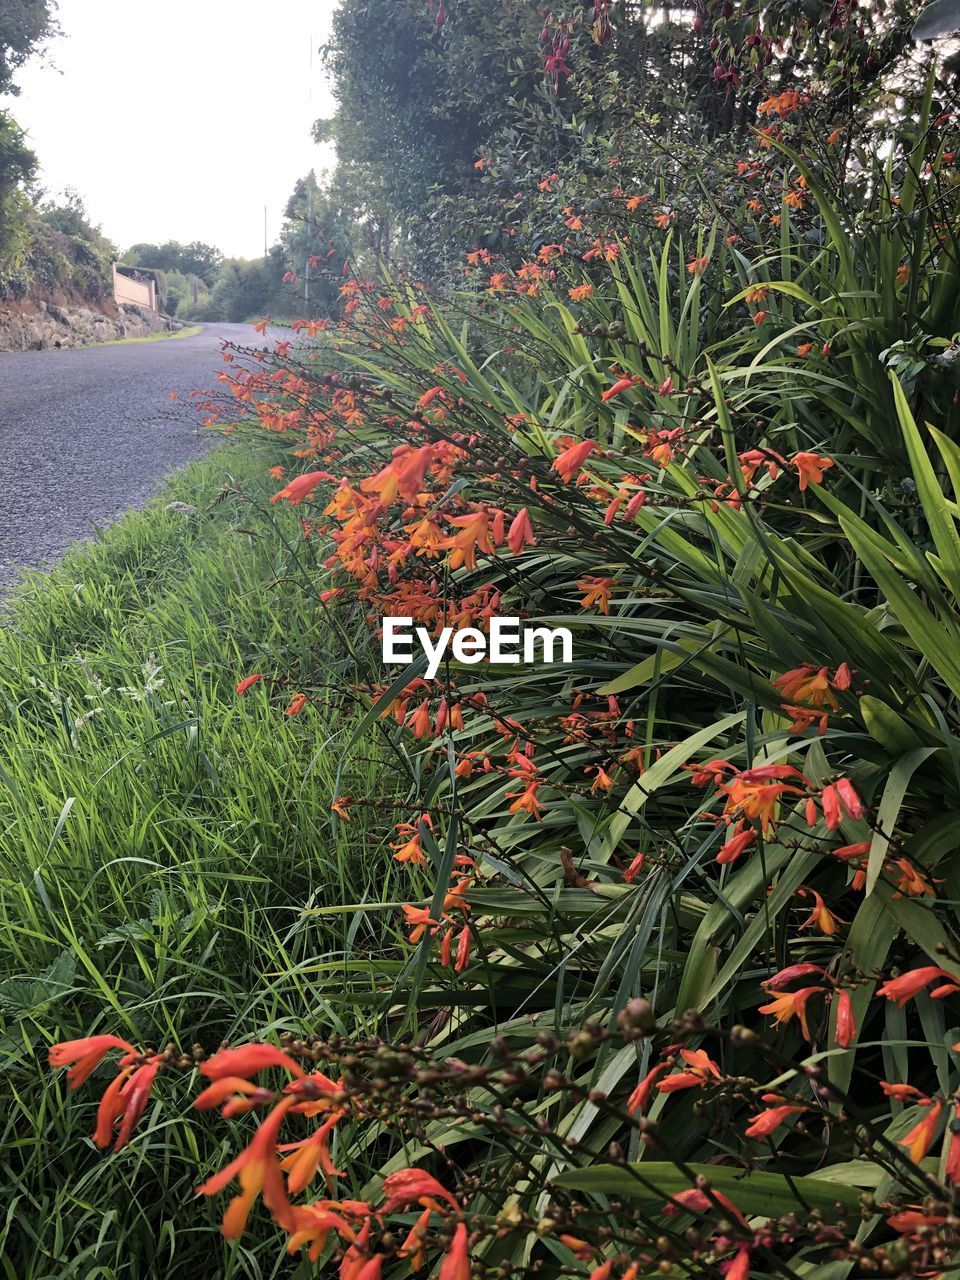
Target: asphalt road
<point>87,432</point>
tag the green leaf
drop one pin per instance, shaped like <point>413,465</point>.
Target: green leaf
<point>889,810</point>
<point>767,1195</point>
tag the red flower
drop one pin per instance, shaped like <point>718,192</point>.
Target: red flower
<point>639,1100</point>
<point>846,1022</point>
<point>247,683</point>
<point>247,1060</point>
<point>414,1186</point>
<point>125,1101</point>
<point>739,1268</point>
<point>702,1070</point>
<point>456,1265</point>
<point>621,385</point>
<point>837,797</point>
<point>297,703</point>
<point>86,1055</point>
<point>698,1201</point>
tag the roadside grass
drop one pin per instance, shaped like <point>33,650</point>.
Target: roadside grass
<point>189,332</point>
<point>161,842</point>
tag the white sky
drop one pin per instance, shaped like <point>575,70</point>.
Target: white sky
<point>180,121</point>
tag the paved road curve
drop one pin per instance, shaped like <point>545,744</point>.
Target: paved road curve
<point>86,433</point>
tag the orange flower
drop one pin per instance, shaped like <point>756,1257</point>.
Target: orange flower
<point>757,293</point>
<point>247,683</point>
<point>768,1121</point>
<point>341,807</point>
<point>911,882</point>
<point>782,104</point>
<point>699,1201</point>
<point>836,798</point>
<point>814,687</point>
<point>312,1225</point>
<point>304,1158</point>
<point>403,476</point>
<point>735,845</point>
<point>697,266</point>
<point>410,848</point>
<point>526,801</point>
<point>297,703</point>
<point>621,385</point>
<point>125,1101</point>
<point>258,1169</point>
<point>702,1070</point>
<point>804,349</point>
<point>821,917</point>
<point>664,219</point>
<point>301,487</point>
<point>596,591</point>
<point>810,468</point>
<point>521,533</point>
<point>755,793</point>
<point>570,462</point>
<point>428,397</point>
<point>910,984</point>
<point>791,1004</point>
<point>414,1247</point>
<point>581,292</point>
<point>920,1138</point>
<point>418,920</point>
<point>474,536</point>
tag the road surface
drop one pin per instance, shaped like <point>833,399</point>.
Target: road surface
<point>87,432</point>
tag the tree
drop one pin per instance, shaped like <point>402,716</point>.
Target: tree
<point>17,167</point>
<point>24,25</point>
<point>428,90</point>
<point>194,259</point>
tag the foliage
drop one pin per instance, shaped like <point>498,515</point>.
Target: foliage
<point>17,167</point>
<point>194,259</point>
<point>24,26</point>
<point>446,110</point>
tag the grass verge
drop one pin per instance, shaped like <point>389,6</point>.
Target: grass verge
<point>160,840</point>
<point>189,332</point>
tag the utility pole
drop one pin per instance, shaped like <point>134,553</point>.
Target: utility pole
<point>306,265</point>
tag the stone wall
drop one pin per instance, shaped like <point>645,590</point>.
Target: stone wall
<point>38,326</point>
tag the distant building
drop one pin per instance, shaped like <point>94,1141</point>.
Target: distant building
<point>135,287</point>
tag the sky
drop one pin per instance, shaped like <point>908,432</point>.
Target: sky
<point>180,121</point>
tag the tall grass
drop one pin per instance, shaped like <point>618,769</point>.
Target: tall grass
<point>161,844</point>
